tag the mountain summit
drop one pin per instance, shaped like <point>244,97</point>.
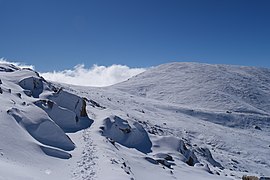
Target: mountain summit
<point>196,85</point>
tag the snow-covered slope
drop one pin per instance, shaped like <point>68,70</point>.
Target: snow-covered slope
<point>174,121</point>
<point>218,87</point>
<point>208,88</point>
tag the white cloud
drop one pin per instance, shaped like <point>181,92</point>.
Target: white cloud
<point>98,76</point>
<point>95,76</point>
<point>18,64</point>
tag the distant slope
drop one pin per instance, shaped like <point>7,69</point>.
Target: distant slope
<point>196,85</point>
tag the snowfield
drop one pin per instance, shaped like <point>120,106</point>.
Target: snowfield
<point>173,121</point>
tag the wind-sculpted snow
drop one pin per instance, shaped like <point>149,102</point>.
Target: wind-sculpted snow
<point>130,135</point>
<point>42,128</point>
<point>55,152</point>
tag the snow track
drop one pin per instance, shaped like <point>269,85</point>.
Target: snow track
<point>86,165</point>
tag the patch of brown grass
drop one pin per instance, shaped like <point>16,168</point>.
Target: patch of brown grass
<point>250,178</point>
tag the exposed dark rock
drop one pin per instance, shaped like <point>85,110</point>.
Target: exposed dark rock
<point>95,104</point>
<point>151,160</point>
<point>19,95</point>
<point>83,110</point>
<point>165,163</point>
<point>258,128</point>
<point>190,161</point>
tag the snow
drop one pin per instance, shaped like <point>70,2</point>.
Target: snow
<point>42,128</point>
<point>32,84</point>
<point>132,136</point>
<point>218,87</point>
<point>174,121</point>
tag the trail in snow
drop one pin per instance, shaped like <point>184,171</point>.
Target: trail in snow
<point>85,166</point>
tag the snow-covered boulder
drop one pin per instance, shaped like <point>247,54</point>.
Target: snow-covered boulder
<point>63,117</point>
<point>70,101</point>
<point>33,84</point>
<point>41,127</point>
<point>176,146</point>
<point>131,135</point>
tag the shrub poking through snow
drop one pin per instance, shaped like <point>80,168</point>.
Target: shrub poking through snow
<point>250,178</point>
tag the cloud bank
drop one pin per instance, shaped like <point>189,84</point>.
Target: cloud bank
<point>98,76</point>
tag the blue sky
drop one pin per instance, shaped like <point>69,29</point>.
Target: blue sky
<point>59,34</point>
